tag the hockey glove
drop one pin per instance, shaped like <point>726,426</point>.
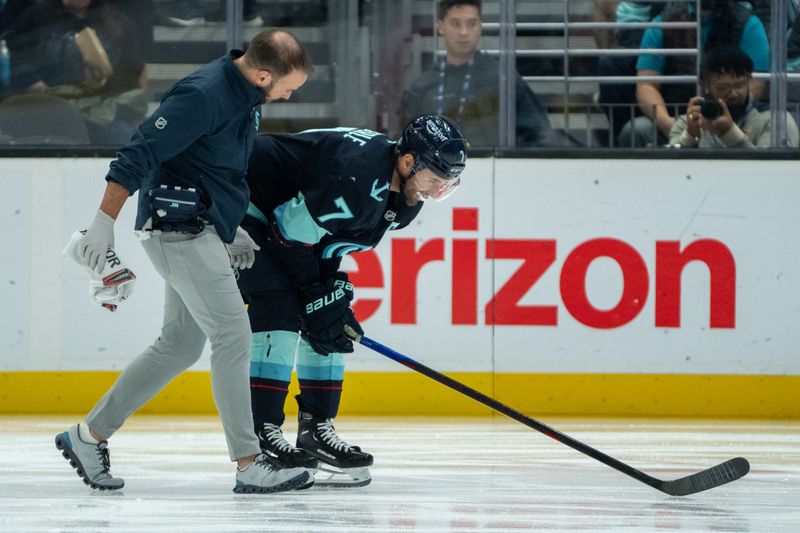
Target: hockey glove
<point>113,285</point>
<point>96,241</point>
<point>242,250</point>
<point>340,279</point>
<point>325,313</point>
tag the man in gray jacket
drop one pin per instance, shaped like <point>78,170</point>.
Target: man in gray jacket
<point>726,115</point>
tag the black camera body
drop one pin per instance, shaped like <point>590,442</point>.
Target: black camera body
<point>710,108</point>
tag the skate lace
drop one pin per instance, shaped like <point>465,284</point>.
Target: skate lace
<point>274,436</point>
<point>328,435</point>
<point>104,456</point>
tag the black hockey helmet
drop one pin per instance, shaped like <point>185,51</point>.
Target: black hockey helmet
<point>437,144</point>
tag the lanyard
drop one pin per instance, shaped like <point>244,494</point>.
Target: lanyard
<point>464,87</point>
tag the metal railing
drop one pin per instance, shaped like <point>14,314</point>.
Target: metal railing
<point>508,26</point>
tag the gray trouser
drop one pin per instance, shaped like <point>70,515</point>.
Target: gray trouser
<point>201,302</point>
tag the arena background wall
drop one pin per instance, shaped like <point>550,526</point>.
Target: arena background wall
<point>558,286</point>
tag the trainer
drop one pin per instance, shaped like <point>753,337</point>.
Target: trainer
<point>189,161</point>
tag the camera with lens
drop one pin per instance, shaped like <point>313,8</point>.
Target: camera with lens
<point>710,108</point>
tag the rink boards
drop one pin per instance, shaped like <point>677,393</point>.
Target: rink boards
<point>608,287</point>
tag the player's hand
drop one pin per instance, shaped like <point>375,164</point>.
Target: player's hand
<point>97,238</point>
<point>325,313</point>
<point>340,279</point>
<point>242,250</point>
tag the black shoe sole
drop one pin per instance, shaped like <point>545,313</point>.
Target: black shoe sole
<point>292,484</point>
<point>307,485</point>
<point>70,456</point>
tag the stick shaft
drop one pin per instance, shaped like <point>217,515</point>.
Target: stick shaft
<point>511,413</point>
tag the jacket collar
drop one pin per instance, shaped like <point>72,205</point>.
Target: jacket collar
<point>249,92</point>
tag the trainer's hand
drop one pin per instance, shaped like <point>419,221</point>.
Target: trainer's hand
<point>98,237</point>
<point>242,250</point>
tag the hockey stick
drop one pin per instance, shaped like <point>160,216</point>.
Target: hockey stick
<point>715,476</point>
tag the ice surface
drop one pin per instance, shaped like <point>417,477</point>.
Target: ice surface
<point>430,474</point>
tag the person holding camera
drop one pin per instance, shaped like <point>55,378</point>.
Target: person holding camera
<point>722,23</point>
<point>726,116</point>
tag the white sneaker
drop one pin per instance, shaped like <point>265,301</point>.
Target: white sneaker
<point>90,459</point>
<point>264,475</point>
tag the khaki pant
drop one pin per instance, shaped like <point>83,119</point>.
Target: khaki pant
<point>201,302</point>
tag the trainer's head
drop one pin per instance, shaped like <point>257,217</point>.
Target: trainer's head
<point>276,63</point>
<point>431,154</point>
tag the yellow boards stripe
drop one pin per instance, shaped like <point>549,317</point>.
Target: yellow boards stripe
<point>407,393</point>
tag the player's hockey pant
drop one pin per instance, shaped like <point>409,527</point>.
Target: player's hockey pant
<point>272,357</point>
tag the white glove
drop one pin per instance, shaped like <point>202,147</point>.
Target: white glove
<point>242,250</point>
<point>96,241</point>
<point>114,284</point>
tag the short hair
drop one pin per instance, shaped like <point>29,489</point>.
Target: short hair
<point>726,60</point>
<point>446,5</point>
<point>277,51</point>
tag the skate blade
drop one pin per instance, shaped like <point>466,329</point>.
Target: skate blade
<point>330,476</point>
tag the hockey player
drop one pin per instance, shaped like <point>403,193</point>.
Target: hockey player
<point>315,197</point>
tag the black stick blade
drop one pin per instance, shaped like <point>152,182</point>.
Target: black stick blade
<point>707,479</point>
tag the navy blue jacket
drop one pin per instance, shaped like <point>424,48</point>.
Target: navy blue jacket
<point>200,136</point>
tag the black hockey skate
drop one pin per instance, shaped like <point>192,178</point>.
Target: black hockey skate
<point>340,465</point>
<point>287,456</point>
<point>283,455</point>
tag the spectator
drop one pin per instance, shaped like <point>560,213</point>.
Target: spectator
<point>736,121</point>
<point>722,22</point>
<point>619,99</point>
<point>104,78</point>
<point>465,86</point>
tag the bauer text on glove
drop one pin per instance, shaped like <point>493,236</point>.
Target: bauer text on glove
<point>325,313</point>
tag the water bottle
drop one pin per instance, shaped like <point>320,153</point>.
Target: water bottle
<point>5,65</point>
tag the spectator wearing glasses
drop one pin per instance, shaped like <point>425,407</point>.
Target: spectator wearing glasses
<point>722,23</point>
<point>726,116</point>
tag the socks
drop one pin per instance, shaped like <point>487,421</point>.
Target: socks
<point>85,434</point>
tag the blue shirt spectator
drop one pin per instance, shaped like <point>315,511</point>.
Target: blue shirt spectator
<point>753,43</point>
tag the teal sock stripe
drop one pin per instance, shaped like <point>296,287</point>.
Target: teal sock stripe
<point>272,354</point>
<point>311,365</point>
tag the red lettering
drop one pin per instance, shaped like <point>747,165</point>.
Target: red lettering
<point>537,256</point>
<point>464,301</point>
<point>368,275</point>
<point>670,262</point>
<point>634,288</point>
<point>407,261</point>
